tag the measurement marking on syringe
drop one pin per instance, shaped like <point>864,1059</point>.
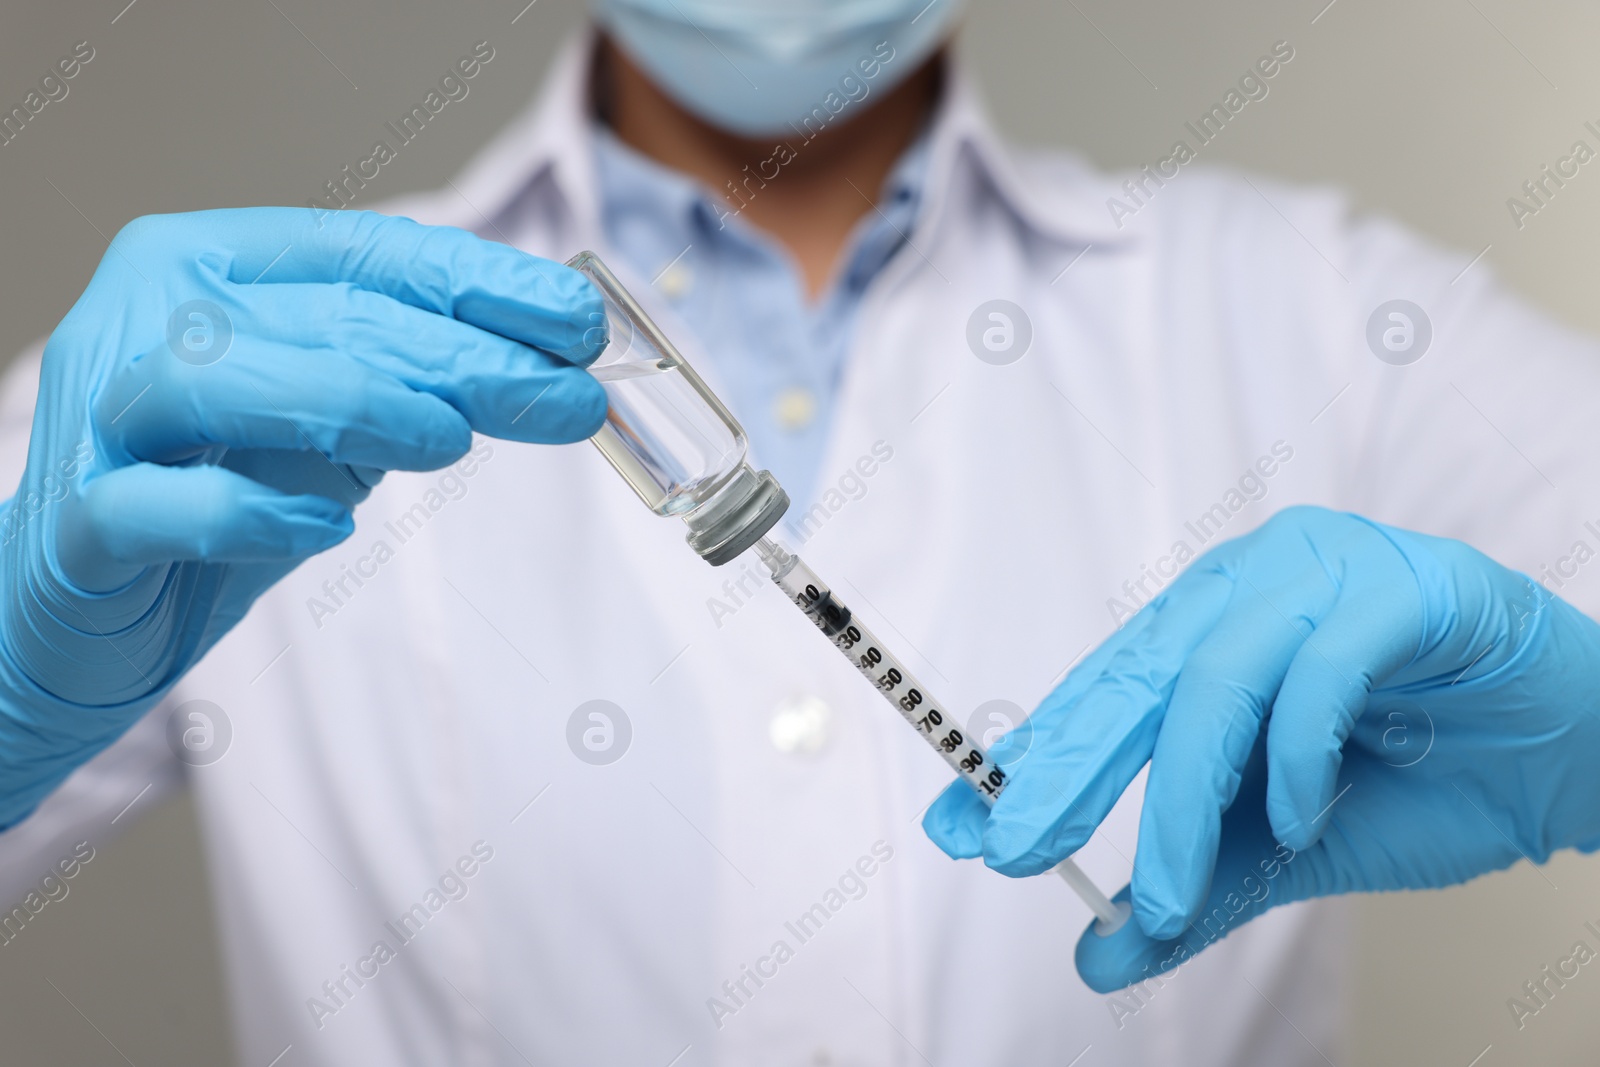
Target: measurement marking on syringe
<point>896,629</point>
<point>896,682</point>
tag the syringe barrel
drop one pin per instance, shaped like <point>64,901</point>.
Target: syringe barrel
<point>964,754</point>
<point>938,726</point>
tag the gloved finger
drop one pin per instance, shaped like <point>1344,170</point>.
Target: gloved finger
<point>1084,674</point>
<point>1254,874</point>
<point>160,409</point>
<point>1210,729</point>
<point>954,821</point>
<point>505,388</point>
<point>437,268</point>
<point>1087,749</point>
<point>297,471</point>
<point>1244,890</point>
<point>1372,631</point>
<point>121,521</point>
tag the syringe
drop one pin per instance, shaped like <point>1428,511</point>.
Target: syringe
<point>684,454</point>
<point>912,699</point>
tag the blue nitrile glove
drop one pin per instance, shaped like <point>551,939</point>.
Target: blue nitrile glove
<point>1327,705</point>
<point>228,387</point>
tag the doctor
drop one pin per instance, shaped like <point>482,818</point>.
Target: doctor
<point>492,770</point>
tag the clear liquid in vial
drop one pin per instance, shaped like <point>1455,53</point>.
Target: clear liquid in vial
<point>670,448</point>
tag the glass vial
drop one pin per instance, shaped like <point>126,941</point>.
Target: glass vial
<point>669,436</point>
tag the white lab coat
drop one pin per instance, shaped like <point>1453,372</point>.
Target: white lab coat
<point>378,745</point>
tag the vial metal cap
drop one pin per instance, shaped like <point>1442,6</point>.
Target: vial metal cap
<point>738,516</point>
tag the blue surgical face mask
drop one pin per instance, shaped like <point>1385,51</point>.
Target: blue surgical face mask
<point>760,67</point>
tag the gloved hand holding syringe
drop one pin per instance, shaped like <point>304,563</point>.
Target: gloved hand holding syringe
<point>683,452</point>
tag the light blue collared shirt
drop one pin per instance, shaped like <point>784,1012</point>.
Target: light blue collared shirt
<point>779,359</point>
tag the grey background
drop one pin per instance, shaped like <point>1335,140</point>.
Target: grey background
<point>1433,111</point>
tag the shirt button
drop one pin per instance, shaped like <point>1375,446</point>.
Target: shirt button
<point>800,725</point>
<point>675,281</point>
<point>795,408</point>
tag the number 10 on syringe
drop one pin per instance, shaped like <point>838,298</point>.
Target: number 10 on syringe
<point>964,754</point>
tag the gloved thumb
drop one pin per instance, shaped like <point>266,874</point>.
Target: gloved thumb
<point>1254,874</point>
<point>955,821</point>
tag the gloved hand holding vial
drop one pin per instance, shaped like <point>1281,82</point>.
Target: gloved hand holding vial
<point>684,454</point>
